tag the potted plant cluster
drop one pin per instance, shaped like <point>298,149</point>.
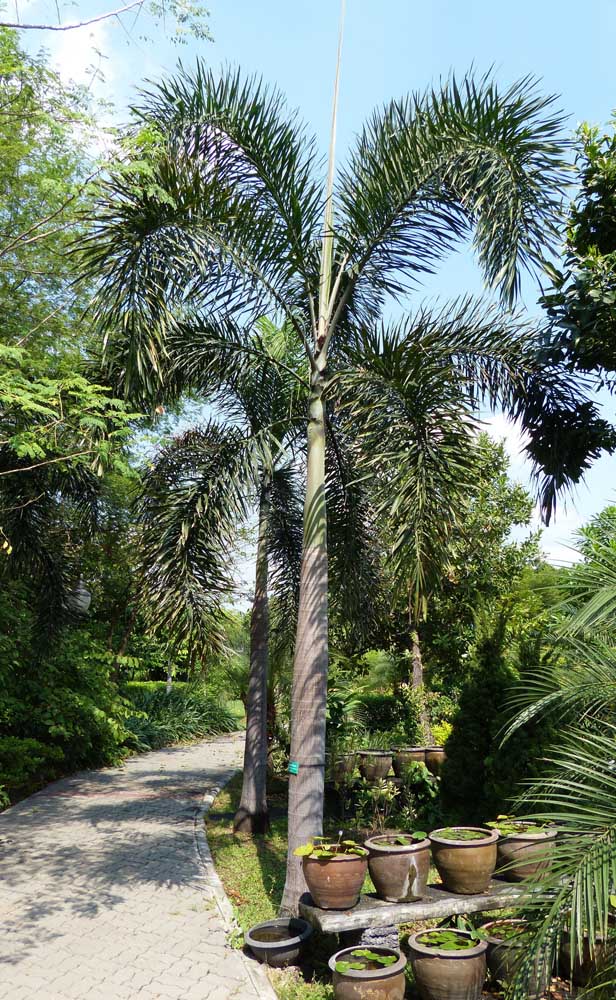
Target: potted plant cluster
<point>465,857</point>
<point>523,848</point>
<point>448,964</point>
<point>399,865</point>
<point>280,942</point>
<point>368,974</point>
<point>334,871</point>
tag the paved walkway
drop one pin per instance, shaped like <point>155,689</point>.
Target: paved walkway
<point>103,890</point>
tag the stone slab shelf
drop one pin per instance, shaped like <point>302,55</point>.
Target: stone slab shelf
<point>436,904</point>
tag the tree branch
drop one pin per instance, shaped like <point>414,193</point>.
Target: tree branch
<point>69,26</point>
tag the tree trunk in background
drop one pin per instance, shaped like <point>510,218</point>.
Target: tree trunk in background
<point>169,686</point>
<point>309,693</point>
<point>252,814</point>
<point>417,683</point>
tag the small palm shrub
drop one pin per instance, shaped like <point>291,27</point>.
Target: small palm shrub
<point>184,714</point>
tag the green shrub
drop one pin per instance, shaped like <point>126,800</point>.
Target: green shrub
<point>25,763</point>
<point>393,717</point>
<point>186,713</point>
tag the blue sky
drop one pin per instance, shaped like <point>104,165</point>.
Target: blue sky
<point>390,48</point>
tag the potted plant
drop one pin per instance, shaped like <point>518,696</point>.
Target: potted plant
<point>343,767</point>
<point>435,758</point>
<point>506,945</point>
<point>403,756</point>
<point>368,974</point>
<point>399,865</point>
<point>374,764</point>
<point>334,871</point>
<point>523,848</point>
<point>448,964</point>
<point>465,857</point>
<point>278,942</point>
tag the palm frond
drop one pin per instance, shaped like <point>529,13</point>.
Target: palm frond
<point>429,170</point>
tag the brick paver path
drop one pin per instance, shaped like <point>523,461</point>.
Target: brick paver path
<point>103,893</point>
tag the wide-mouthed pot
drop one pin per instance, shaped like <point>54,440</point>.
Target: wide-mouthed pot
<point>278,942</point>
<point>465,862</point>
<point>443,973</point>
<point>374,764</point>
<point>506,946</point>
<point>435,758</point>
<point>374,981</point>
<point>522,855</point>
<point>343,767</point>
<point>585,964</point>
<point>399,866</point>
<point>403,756</point>
<point>335,883</point>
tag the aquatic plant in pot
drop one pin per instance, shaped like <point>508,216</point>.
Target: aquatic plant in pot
<point>399,865</point>
<point>524,848</point>
<point>403,756</point>
<point>280,942</point>
<point>334,871</point>
<point>448,964</point>
<point>368,974</point>
<point>374,764</point>
<point>465,857</point>
<point>507,945</point>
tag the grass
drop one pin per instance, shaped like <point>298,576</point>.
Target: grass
<point>252,871</point>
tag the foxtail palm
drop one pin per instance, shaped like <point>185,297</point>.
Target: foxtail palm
<point>233,215</point>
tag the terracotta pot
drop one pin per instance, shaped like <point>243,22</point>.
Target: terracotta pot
<point>385,983</point>
<point>335,883</point>
<point>527,852</point>
<point>374,764</point>
<point>435,758</point>
<point>504,956</point>
<point>399,872</point>
<point>585,965</point>
<point>403,756</point>
<point>343,768</point>
<point>278,942</point>
<point>465,866</point>
<point>448,975</point>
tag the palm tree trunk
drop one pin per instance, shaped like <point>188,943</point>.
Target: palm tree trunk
<point>309,693</point>
<point>252,814</point>
<point>417,683</point>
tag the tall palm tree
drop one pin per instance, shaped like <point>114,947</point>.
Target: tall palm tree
<point>233,215</point>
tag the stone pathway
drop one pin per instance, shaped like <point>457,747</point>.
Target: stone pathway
<point>105,891</point>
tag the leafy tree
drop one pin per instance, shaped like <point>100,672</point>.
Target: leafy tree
<point>231,219</point>
<point>582,304</point>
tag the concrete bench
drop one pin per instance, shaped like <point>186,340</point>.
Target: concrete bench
<point>434,906</point>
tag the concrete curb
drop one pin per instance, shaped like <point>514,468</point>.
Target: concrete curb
<point>256,973</point>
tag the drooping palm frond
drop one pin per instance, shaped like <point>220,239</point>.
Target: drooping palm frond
<point>579,682</point>
<point>591,590</point>
<point>284,546</point>
<point>194,497</point>
<point>416,432</point>
<point>429,170</point>
<point>576,891</point>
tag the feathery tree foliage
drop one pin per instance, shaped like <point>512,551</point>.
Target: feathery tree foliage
<point>236,217</point>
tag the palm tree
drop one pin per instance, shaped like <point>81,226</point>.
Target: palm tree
<point>228,218</point>
<point>200,491</point>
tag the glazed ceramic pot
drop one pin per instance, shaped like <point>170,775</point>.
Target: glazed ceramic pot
<point>377,983</point>
<point>343,768</point>
<point>278,942</point>
<point>403,756</point>
<point>465,866</point>
<point>374,764</point>
<point>448,975</point>
<point>335,883</point>
<point>505,954</point>
<point>522,855</point>
<point>399,871</point>
<point>435,758</point>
